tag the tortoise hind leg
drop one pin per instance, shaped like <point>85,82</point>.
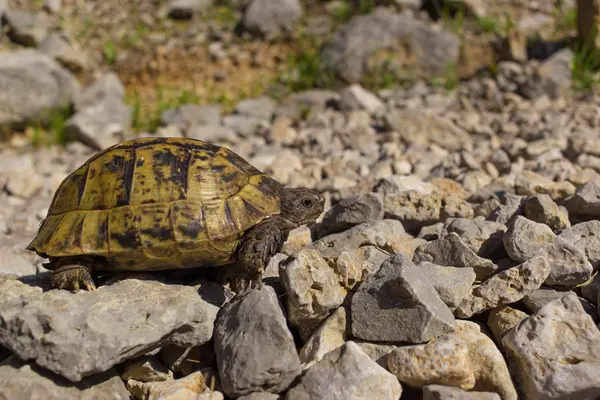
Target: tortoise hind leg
<point>258,245</point>
<point>72,274</point>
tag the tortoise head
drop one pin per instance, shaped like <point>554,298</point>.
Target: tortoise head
<point>301,206</point>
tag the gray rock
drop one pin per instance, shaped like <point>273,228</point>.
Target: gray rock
<point>212,134</point>
<point>261,396</point>
<point>350,50</point>
<point>513,206</point>
<point>188,360</point>
<point>590,292</point>
<point>254,347</point>
<point>330,335</point>
<point>555,73</point>
<point>350,212</point>
<point>585,203</point>
<point>431,232</point>
<point>145,369</point>
<point>100,125</point>
<point>107,88</point>
<point>188,116</point>
<point>245,126</point>
<point>562,339</point>
<point>483,237</point>
<point>584,236</point>
<point>272,19</point>
<point>185,9</point>
<point>378,352</point>
<point>346,373</point>
<point>355,97</point>
<point>502,319</point>
<point>506,287</point>
<point>452,284</point>
<point>53,6</point>
<point>110,325</point>
<point>539,298</point>
<point>541,208</point>
<point>442,392</point>
<point>26,28</point>
<point>21,380</point>
<point>66,52</point>
<point>296,104</point>
<point>526,239</point>
<point>399,292</point>
<point>260,107</point>
<point>453,252</point>
<point>32,85</point>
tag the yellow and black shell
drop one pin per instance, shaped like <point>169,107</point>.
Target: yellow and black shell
<point>157,203</point>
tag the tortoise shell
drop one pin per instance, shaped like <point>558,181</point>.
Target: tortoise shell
<point>157,203</point>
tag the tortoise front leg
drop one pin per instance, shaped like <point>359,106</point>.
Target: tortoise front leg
<point>71,274</point>
<point>257,247</point>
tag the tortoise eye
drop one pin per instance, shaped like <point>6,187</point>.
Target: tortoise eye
<point>307,203</point>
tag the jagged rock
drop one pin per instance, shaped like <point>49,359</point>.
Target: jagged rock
<point>378,352</point>
<point>346,373</point>
<point>65,51</point>
<point>541,208</point>
<point>168,389</point>
<point>399,291</point>
<point>26,28</point>
<point>585,203</point>
<point>330,335</point>
<point>109,325</point>
<point>526,239</point>
<point>254,347</point>
<point>350,212</point>
<point>452,284</point>
<point>555,351</point>
<point>145,369</point>
<point>453,252</point>
<point>187,360</point>
<point>483,237</point>
<point>443,361</point>
<point>272,19</point>
<point>506,287</point>
<point>583,236</point>
<point>502,319</point>
<point>21,380</point>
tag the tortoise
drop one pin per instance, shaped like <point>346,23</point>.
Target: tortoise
<point>151,204</point>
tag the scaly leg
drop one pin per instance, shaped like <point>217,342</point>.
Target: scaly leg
<point>71,275</point>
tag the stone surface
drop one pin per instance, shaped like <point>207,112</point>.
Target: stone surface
<point>350,212</point>
<point>585,202</point>
<point>254,347</point>
<point>441,392</point>
<point>168,389</point>
<point>452,284</point>
<point>27,28</point>
<point>541,208</point>
<point>451,251</point>
<point>21,380</point>
<point>555,351</point>
<point>346,373</point>
<point>185,9</point>
<point>65,51</point>
<point>396,293</point>
<point>33,86</point>
<point>583,236</point>
<point>312,289</point>
<point>145,369</point>
<point>502,319</point>
<point>443,361</point>
<point>506,287</point>
<point>483,237</point>
<point>272,19</point>
<point>526,239</point>
<point>112,324</point>
<point>330,335</point>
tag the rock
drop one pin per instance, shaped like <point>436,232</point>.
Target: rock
<point>590,291</point>
<point>555,73</point>
<point>350,212</point>
<point>526,239</point>
<point>53,6</point>
<point>583,236</point>
<point>65,51</point>
<point>21,380</point>
<point>502,319</point>
<point>585,202</point>
<point>189,116</point>
<point>260,396</point>
<point>541,208</point>
<point>106,88</point>
<point>539,298</point>
<point>431,232</point>
<point>212,134</point>
<point>272,19</point>
<point>443,361</point>
<point>452,284</point>
<point>168,389</point>
<point>33,86</point>
<point>296,104</point>
<point>185,9</point>
<point>19,177</point>
<point>529,183</point>
<point>114,323</point>
<point>145,369</point>
<point>441,392</point>
<point>483,237</point>
<point>330,335</point>
<point>349,53</point>
<point>489,367</point>
<point>376,351</point>
<point>506,287</point>
<point>506,212</point>
<point>355,97</point>
<point>453,252</point>
<point>346,373</point>
<point>555,351</point>
<point>312,289</point>
<point>243,125</point>
<point>254,347</point>
<point>399,292</point>
<point>26,28</point>
<point>261,107</point>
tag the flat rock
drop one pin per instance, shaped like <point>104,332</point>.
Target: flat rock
<point>452,284</point>
<point>442,392</point>
<point>346,373</point>
<point>114,323</point>
<point>584,236</point>
<point>350,212</point>
<point>397,293</point>
<point>506,287</point>
<point>33,86</point>
<point>444,361</point>
<point>451,251</point>
<point>330,335</point>
<point>483,237</point>
<point>555,352</point>
<point>526,239</point>
<point>312,288</point>
<point>22,380</point>
<point>254,347</point>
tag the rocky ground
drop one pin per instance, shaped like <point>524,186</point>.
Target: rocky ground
<point>457,257</point>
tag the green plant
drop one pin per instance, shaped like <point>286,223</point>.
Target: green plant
<point>303,70</point>
<point>346,10</point>
<point>49,127</point>
<point>449,80</point>
<point>565,20</point>
<point>110,52</point>
<point>584,66</point>
<point>489,24</point>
